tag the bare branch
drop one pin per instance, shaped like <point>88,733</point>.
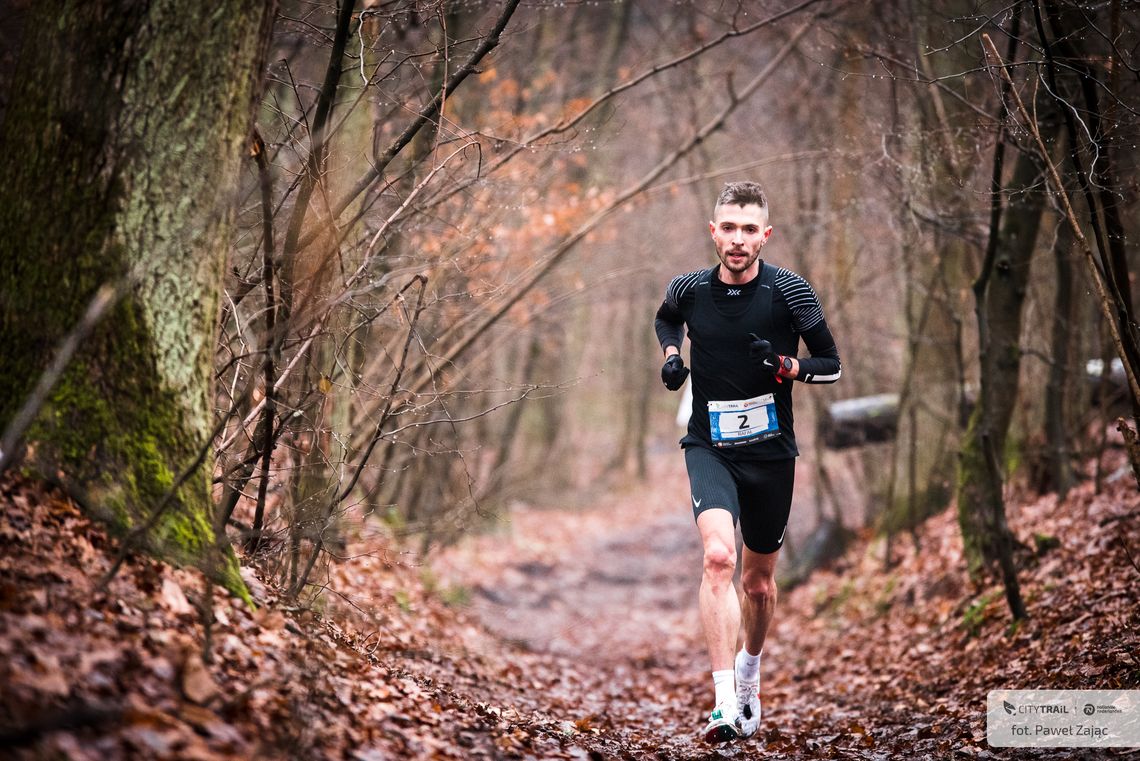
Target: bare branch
<point>425,114</point>
<point>538,270</point>
<point>318,545</point>
<point>346,293</point>
<point>573,120</point>
<point>1105,299</point>
<point>437,421</point>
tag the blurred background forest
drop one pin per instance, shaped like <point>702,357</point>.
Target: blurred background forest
<point>455,220</point>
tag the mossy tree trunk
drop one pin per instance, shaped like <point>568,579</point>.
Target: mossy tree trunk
<point>122,139</point>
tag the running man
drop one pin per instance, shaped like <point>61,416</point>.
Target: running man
<point>745,319</point>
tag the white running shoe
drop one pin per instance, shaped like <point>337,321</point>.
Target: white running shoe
<point>748,708</point>
<point>747,703</point>
<point>722,726</point>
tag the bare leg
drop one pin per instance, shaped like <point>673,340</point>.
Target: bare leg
<point>758,578</point>
<point>719,605</point>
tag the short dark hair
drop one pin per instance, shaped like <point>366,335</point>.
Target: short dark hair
<point>742,194</point>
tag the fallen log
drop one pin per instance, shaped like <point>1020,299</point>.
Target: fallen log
<point>858,421</point>
<point>1115,383</point>
<point>874,419</point>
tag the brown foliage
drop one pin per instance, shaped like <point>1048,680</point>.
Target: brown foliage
<point>591,647</point>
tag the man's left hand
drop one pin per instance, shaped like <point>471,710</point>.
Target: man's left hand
<point>762,353</point>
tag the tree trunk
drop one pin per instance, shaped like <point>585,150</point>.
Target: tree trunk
<point>1098,183</point>
<point>123,132</point>
<point>1000,293</point>
<point>1058,388</point>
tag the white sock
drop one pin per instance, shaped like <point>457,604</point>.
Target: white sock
<point>748,666</point>
<point>725,684</point>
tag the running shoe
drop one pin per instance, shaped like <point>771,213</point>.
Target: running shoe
<point>722,725</point>
<point>748,708</point>
<point>747,702</point>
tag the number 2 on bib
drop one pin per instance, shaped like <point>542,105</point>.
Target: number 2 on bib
<point>734,423</point>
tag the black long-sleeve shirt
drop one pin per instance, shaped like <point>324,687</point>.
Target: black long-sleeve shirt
<point>719,376</point>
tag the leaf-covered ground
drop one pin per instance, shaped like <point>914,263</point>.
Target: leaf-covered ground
<point>567,633</point>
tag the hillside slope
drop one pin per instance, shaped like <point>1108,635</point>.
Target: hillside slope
<point>578,639</point>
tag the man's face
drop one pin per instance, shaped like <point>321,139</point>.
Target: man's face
<point>739,232</point>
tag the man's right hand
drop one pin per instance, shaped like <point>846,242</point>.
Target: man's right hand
<point>674,372</point>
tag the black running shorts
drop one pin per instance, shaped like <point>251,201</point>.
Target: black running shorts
<point>758,493</point>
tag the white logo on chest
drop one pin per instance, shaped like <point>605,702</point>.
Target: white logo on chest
<point>733,291</point>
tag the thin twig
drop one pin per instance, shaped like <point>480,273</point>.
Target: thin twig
<point>422,118</point>
<point>318,146</point>
<point>345,294</point>
<point>272,339</point>
<point>412,321</point>
<point>525,395</point>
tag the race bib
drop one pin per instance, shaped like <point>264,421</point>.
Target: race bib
<point>743,422</point>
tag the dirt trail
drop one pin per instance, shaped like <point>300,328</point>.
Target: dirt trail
<point>608,595</point>
<point>861,663</point>
<point>602,598</point>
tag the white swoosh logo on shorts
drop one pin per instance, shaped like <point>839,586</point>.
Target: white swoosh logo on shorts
<point>696,502</point>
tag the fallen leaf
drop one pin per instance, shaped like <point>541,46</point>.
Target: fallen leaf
<point>197,684</point>
<point>175,600</point>
<point>45,676</point>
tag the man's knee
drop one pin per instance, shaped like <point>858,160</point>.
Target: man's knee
<point>760,589</point>
<point>720,561</point>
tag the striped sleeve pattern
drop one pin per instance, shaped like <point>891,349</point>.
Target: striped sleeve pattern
<point>801,300</point>
<point>679,285</point>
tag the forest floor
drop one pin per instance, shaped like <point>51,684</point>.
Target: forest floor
<point>565,632</point>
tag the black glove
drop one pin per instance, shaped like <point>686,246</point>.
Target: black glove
<point>674,372</point>
<point>762,354</point>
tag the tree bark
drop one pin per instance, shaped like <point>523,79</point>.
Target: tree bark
<point>124,130</point>
<point>1098,183</point>
<point>1105,296</point>
<point>1000,293</point>
<point>1058,388</point>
